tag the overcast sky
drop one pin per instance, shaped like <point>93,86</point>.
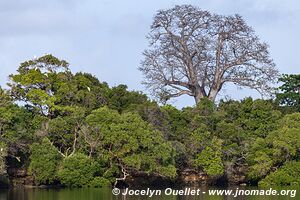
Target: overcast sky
<point>106,37</point>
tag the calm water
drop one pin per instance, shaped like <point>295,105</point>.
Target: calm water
<point>106,194</point>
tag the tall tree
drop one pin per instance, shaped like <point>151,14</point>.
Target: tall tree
<point>47,85</point>
<point>35,82</point>
<point>195,52</point>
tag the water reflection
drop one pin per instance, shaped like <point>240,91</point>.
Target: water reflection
<point>106,194</point>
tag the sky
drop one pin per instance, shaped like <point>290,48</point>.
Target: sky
<point>107,37</point>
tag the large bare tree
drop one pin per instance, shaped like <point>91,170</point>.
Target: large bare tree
<point>195,52</point>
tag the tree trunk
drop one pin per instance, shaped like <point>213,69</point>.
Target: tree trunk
<point>125,174</point>
<point>198,95</point>
<point>91,151</point>
<point>212,95</point>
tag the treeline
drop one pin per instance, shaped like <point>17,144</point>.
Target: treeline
<point>72,129</point>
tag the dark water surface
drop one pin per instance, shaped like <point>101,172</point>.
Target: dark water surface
<point>106,194</point>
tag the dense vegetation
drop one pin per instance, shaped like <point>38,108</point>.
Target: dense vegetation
<point>72,129</point>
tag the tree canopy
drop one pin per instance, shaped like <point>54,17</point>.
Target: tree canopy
<point>59,127</point>
<point>289,91</point>
<point>195,52</point>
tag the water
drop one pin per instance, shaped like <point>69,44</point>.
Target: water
<point>106,194</point>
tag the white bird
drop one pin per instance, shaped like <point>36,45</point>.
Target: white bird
<point>46,75</point>
<point>89,89</point>
<point>1,149</point>
<point>34,57</point>
<point>18,159</point>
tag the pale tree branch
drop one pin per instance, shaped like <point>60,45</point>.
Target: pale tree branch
<point>194,52</point>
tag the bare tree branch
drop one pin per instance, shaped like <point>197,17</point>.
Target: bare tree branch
<point>195,52</point>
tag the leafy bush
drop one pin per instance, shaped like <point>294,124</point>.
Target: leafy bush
<point>3,154</point>
<point>77,170</point>
<point>131,143</point>
<point>280,146</point>
<point>289,174</point>
<point>98,182</point>
<point>210,159</point>
<point>44,162</point>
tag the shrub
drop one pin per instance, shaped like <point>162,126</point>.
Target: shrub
<point>99,182</point>
<point>44,162</point>
<point>289,174</point>
<point>3,154</point>
<point>210,159</point>
<point>77,170</point>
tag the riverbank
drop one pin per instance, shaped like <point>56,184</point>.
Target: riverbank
<point>19,178</point>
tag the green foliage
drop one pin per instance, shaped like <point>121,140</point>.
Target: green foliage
<point>82,90</point>
<point>35,82</point>
<point>210,158</point>
<point>289,91</point>
<point>203,147</point>
<point>253,118</point>
<point>241,124</point>
<point>77,170</point>
<point>260,160</point>
<point>286,140</point>
<point>64,130</point>
<point>204,114</point>
<point>121,99</point>
<point>47,85</point>
<point>130,143</point>
<point>177,122</point>
<point>99,182</point>
<point>44,162</point>
<point>278,147</point>
<point>92,134</point>
<point>288,174</point>
<point>3,154</point>
<point>61,131</point>
<point>16,130</point>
